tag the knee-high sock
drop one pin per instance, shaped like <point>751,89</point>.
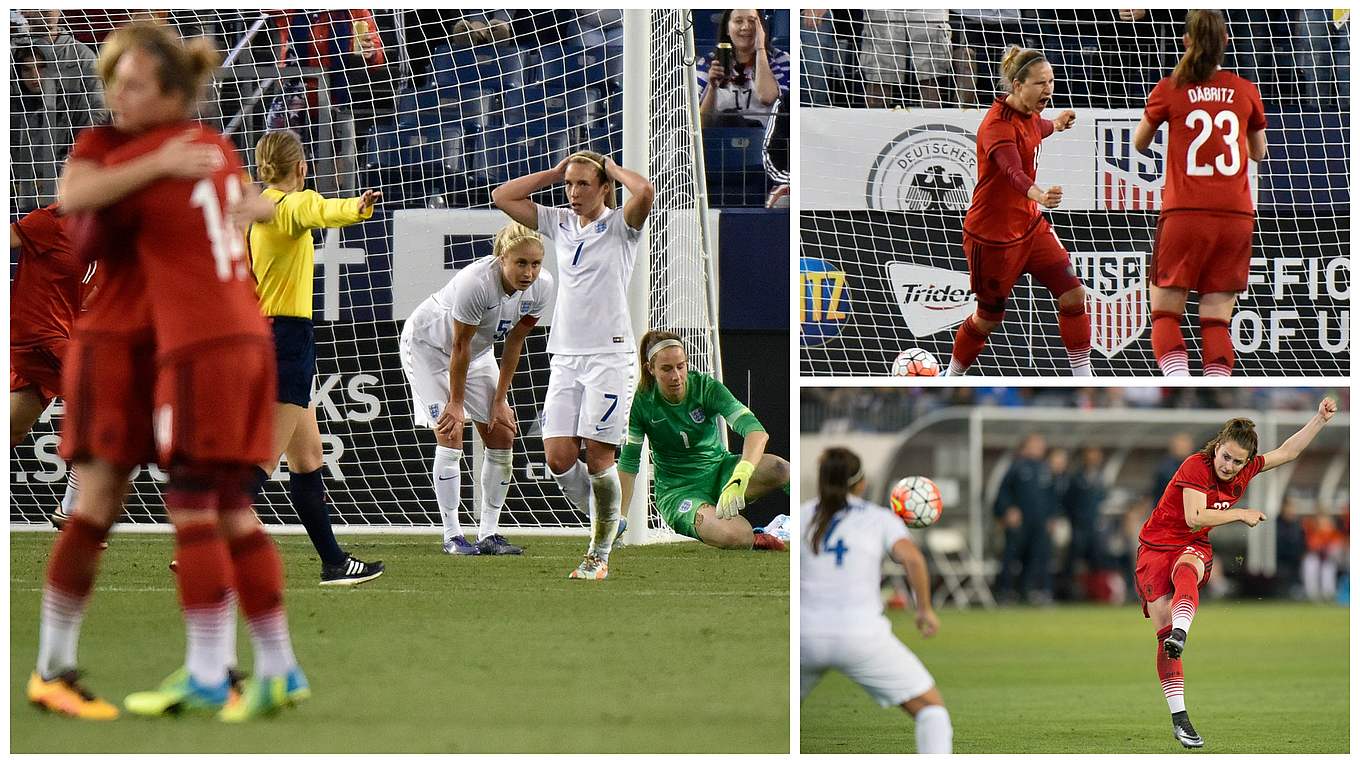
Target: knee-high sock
<point>1185,598</point>
<point>258,574</point>
<point>575,485</point>
<point>496,476</point>
<point>1074,325</point>
<point>605,486</point>
<point>1168,345</point>
<point>448,488</point>
<point>204,578</point>
<point>934,731</point>
<point>68,499</point>
<point>70,578</point>
<point>309,500</point>
<point>1171,674</point>
<point>968,343</point>
<point>1216,347</point>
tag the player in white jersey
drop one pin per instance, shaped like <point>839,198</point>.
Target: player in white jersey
<point>844,542</point>
<point>446,352</point>
<point>590,388</point>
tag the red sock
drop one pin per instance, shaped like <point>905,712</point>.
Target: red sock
<point>1185,598</point>
<point>258,574</point>
<point>1171,674</point>
<point>1217,347</point>
<point>1168,346</point>
<point>75,558</point>
<point>204,577</point>
<point>1074,325</point>
<point>968,343</point>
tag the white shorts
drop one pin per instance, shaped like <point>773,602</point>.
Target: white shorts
<point>878,661</point>
<point>589,397</point>
<point>891,36</point>
<point>427,372</point>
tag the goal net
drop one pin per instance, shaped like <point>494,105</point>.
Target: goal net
<point>885,188</point>
<point>436,109</point>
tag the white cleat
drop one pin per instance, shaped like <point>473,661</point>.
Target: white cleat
<point>592,568</point>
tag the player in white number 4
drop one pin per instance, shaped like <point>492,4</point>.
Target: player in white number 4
<point>844,542</point>
<point>590,388</point>
<point>446,353</point>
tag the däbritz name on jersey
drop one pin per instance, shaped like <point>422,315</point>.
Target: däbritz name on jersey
<point>1211,94</point>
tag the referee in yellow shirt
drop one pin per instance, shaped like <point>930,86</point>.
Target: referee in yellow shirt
<point>281,255</point>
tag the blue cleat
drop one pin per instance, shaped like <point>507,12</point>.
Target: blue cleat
<point>179,694</point>
<point>461,546</point>
<point>496,544</point>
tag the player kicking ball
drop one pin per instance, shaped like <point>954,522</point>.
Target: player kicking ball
<point>1174,554</point>
<point>446,353</point>
<point>701,487</point>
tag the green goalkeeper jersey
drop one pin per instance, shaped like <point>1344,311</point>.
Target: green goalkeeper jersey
<point>684,435</point>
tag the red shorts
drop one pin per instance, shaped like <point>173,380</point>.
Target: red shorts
<point>216,405</point>
<point>37,367</point>
<point>993,269</point>
<point>1153,571</point>
<point>1202,251</point>
<point>107,388</point>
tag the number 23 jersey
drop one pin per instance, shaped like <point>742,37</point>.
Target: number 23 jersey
<point>1165,527</point>
<point>839,585</point>
<point>1206,152</point>
<point>594,265</point>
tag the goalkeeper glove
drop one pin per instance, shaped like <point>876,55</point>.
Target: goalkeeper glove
<point>733,498</point>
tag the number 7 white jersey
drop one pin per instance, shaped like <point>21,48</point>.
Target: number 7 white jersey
<point>839,585</point>
<point>594,265</point>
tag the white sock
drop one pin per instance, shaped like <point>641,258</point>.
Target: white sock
<point>448,483</point>
<point>605,523</point>
<point>1174,364</point>
<point>1174,691</point>
<point>934,732</point>
<point>955,369</point>
<point>575,485</point>
<point>1080,362</point>
<point>496,476</point>
<point>68,499</point>
<point>58,633</point>
<point>273,647</point>
<point>1183,614</point>
<point>231,628</point>
<point>205,654</point>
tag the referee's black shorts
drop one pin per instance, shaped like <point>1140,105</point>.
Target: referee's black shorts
<point>295,351</point>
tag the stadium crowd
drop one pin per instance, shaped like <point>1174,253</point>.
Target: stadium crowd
<point>1103,58</point>
<point>436,106</point>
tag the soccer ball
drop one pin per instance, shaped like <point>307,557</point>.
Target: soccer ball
<point>915,362</point>
<point>917,501</point>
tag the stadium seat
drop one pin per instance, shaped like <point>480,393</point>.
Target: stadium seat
<point>735,166</point>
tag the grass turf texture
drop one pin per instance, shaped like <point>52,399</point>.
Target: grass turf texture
<point>682,649</point>
<point>1259,677</point>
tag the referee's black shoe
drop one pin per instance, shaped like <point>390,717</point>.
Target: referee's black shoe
<point>1174,644</point>
<point>351,572</point>
<point>1184,732</point>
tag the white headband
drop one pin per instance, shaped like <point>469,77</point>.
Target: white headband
<point>663,345</point>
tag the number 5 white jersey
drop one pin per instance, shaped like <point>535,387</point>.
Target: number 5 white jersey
<point>476,296</point>
<point>594,265</point>
<point>839,585</point>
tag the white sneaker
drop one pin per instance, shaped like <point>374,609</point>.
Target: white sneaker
<point>778,527</point>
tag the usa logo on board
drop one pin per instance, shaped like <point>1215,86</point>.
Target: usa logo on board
<point>1127,180</point>
<point>1116,297</point>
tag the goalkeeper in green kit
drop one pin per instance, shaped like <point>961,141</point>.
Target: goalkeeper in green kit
<point>701,487</point>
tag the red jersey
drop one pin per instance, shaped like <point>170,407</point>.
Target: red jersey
<point>1000,215</point>
<point>1165,527</point>
<point>46,292</point>
<point>1206,152</point>
<point>118,305</point>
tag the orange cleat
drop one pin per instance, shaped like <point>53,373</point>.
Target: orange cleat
<point>768,542</point>
<point>66,696</point>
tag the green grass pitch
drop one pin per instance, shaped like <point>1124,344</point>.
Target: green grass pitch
<point>683,649</point>
<point>1259,677</point>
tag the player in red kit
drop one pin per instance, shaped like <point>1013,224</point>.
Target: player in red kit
<point>1004,233</point>
<point>49,285</point>
<point>1174,554</point>
<point>1216,121</point>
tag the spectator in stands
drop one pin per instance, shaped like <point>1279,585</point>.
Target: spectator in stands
<point>33,166</point>
<point>1024,503</point>
<point>983,36</point>
<point>345,44</point>
<point>776,154</point>
<point>891,38</point>
<point>821,53</point>
<point>1327,553</point>
<point>1109,54</point>
<point>74,98</point>
<point>1290,547</point>
<point>741,87</point>
<point>1085,493</point>
<point>1177,449</point>
<point>1322,56</point>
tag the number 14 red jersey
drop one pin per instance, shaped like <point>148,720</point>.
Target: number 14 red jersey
<point>1206,152</point>
<point>1165,527</point>
<point>197,278</point>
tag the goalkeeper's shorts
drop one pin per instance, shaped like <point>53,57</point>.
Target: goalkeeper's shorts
<point>678,503</point>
